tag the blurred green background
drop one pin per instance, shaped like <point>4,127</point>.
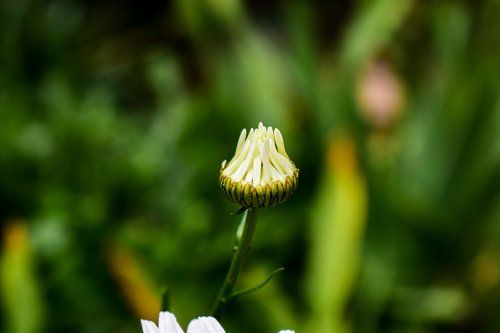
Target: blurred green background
<point>116,115</point>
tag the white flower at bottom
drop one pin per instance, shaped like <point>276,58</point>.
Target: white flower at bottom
<point>168,324</point>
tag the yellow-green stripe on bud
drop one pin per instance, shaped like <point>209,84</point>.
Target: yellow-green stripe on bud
<point>260,174</point>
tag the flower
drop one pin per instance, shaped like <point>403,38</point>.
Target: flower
<point>260,174</point>
<point>167,323</point>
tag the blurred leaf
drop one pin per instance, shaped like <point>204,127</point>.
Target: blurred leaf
<point>21,295</point>
<point>372,30</point>
<point>142,298</point>
<point>337,230</point>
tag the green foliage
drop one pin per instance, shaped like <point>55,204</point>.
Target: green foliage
<point>115,117</point>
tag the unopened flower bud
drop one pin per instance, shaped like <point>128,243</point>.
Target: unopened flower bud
<point>260,174</point>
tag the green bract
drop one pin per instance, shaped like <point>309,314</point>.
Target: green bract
<point>260,174</point>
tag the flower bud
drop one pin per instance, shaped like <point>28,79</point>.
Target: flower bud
<point>260,174</point>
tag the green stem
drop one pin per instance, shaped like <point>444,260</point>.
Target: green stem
<point>240,252</point>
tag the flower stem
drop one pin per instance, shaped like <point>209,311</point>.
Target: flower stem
<point>240,252</point>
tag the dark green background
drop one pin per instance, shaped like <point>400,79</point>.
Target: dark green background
<point>116,115</point>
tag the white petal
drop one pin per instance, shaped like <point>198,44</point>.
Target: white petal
<point>243,169</point>
<point>248,177</point>
<point>275,158</point>
<point>257,166</point>
<point>261,128</point>
<point>237,159</point>
<point>205,325</point>
<point>286,331</point>
<point>168,323</point>
<point>280,142</point>
<point>241,141</point>
<point>266,165</point>
<point>270,133</point>
<point>148,326</point>
<point>286,165</point>
<point>275,175</point>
